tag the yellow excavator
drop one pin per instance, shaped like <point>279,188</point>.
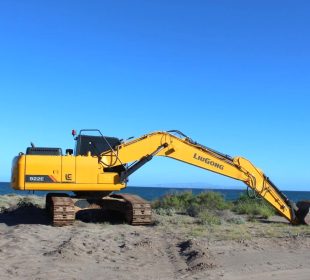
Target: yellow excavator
<point>101,165</point>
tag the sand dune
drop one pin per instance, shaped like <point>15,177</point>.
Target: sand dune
<point>174,248</point>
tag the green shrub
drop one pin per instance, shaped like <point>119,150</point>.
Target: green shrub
<point>190,204</point>
<point>236,220</point>
<point>194,209</point>
<point>212,201</point>
<point>253,207</point>
<point>25,202</point>
<point>208,218</point>
<point>178,201</point>
<point>165,211</point>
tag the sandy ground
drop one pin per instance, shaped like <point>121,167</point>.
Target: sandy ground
<point>174,248</point>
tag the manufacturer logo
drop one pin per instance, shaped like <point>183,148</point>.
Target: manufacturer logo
<point>68,177</point>
<point>209,161</point>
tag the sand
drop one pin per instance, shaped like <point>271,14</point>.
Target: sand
<point>174,248</point>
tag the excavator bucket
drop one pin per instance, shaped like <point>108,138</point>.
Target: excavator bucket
<point>302,213</point>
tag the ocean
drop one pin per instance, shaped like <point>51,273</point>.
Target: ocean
<point>152,193</point>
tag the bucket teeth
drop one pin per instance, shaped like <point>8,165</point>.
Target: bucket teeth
<point>302,213</point>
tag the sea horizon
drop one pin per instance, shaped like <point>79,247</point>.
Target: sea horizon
<point>152,193</point>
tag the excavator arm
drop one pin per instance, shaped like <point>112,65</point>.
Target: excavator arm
<point>140,150</point>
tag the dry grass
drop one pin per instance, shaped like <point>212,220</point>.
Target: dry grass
<point>245,230</point>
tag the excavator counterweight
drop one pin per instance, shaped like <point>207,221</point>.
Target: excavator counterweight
<point>101,165</point>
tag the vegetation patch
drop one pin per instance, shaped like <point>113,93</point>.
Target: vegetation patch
<point>253,207</point>
<point>188,203</point>
<point>207,207</point>
<point>201,206</point>
<point>8,202</point>
<point>208,218</point>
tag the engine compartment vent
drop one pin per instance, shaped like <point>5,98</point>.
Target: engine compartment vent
<point>44,151</point>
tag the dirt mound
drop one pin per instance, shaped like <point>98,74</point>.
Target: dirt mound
<point>195,258</point>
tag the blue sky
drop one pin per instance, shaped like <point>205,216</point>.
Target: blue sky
<point>233,75</point>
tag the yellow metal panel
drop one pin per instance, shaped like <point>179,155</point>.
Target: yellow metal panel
<point>44,165</point>
<point>108,178</point>
<point>68,169</point>
<point>18,173</point>
<point>73,187</point>
<point>85,173</point>
<point>87,169</point>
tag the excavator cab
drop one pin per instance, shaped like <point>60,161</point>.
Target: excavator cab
<point>88,143</point>
<point>95,144</point>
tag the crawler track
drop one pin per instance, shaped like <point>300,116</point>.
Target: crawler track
<point>61,209</point>
<point>135,209</point>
